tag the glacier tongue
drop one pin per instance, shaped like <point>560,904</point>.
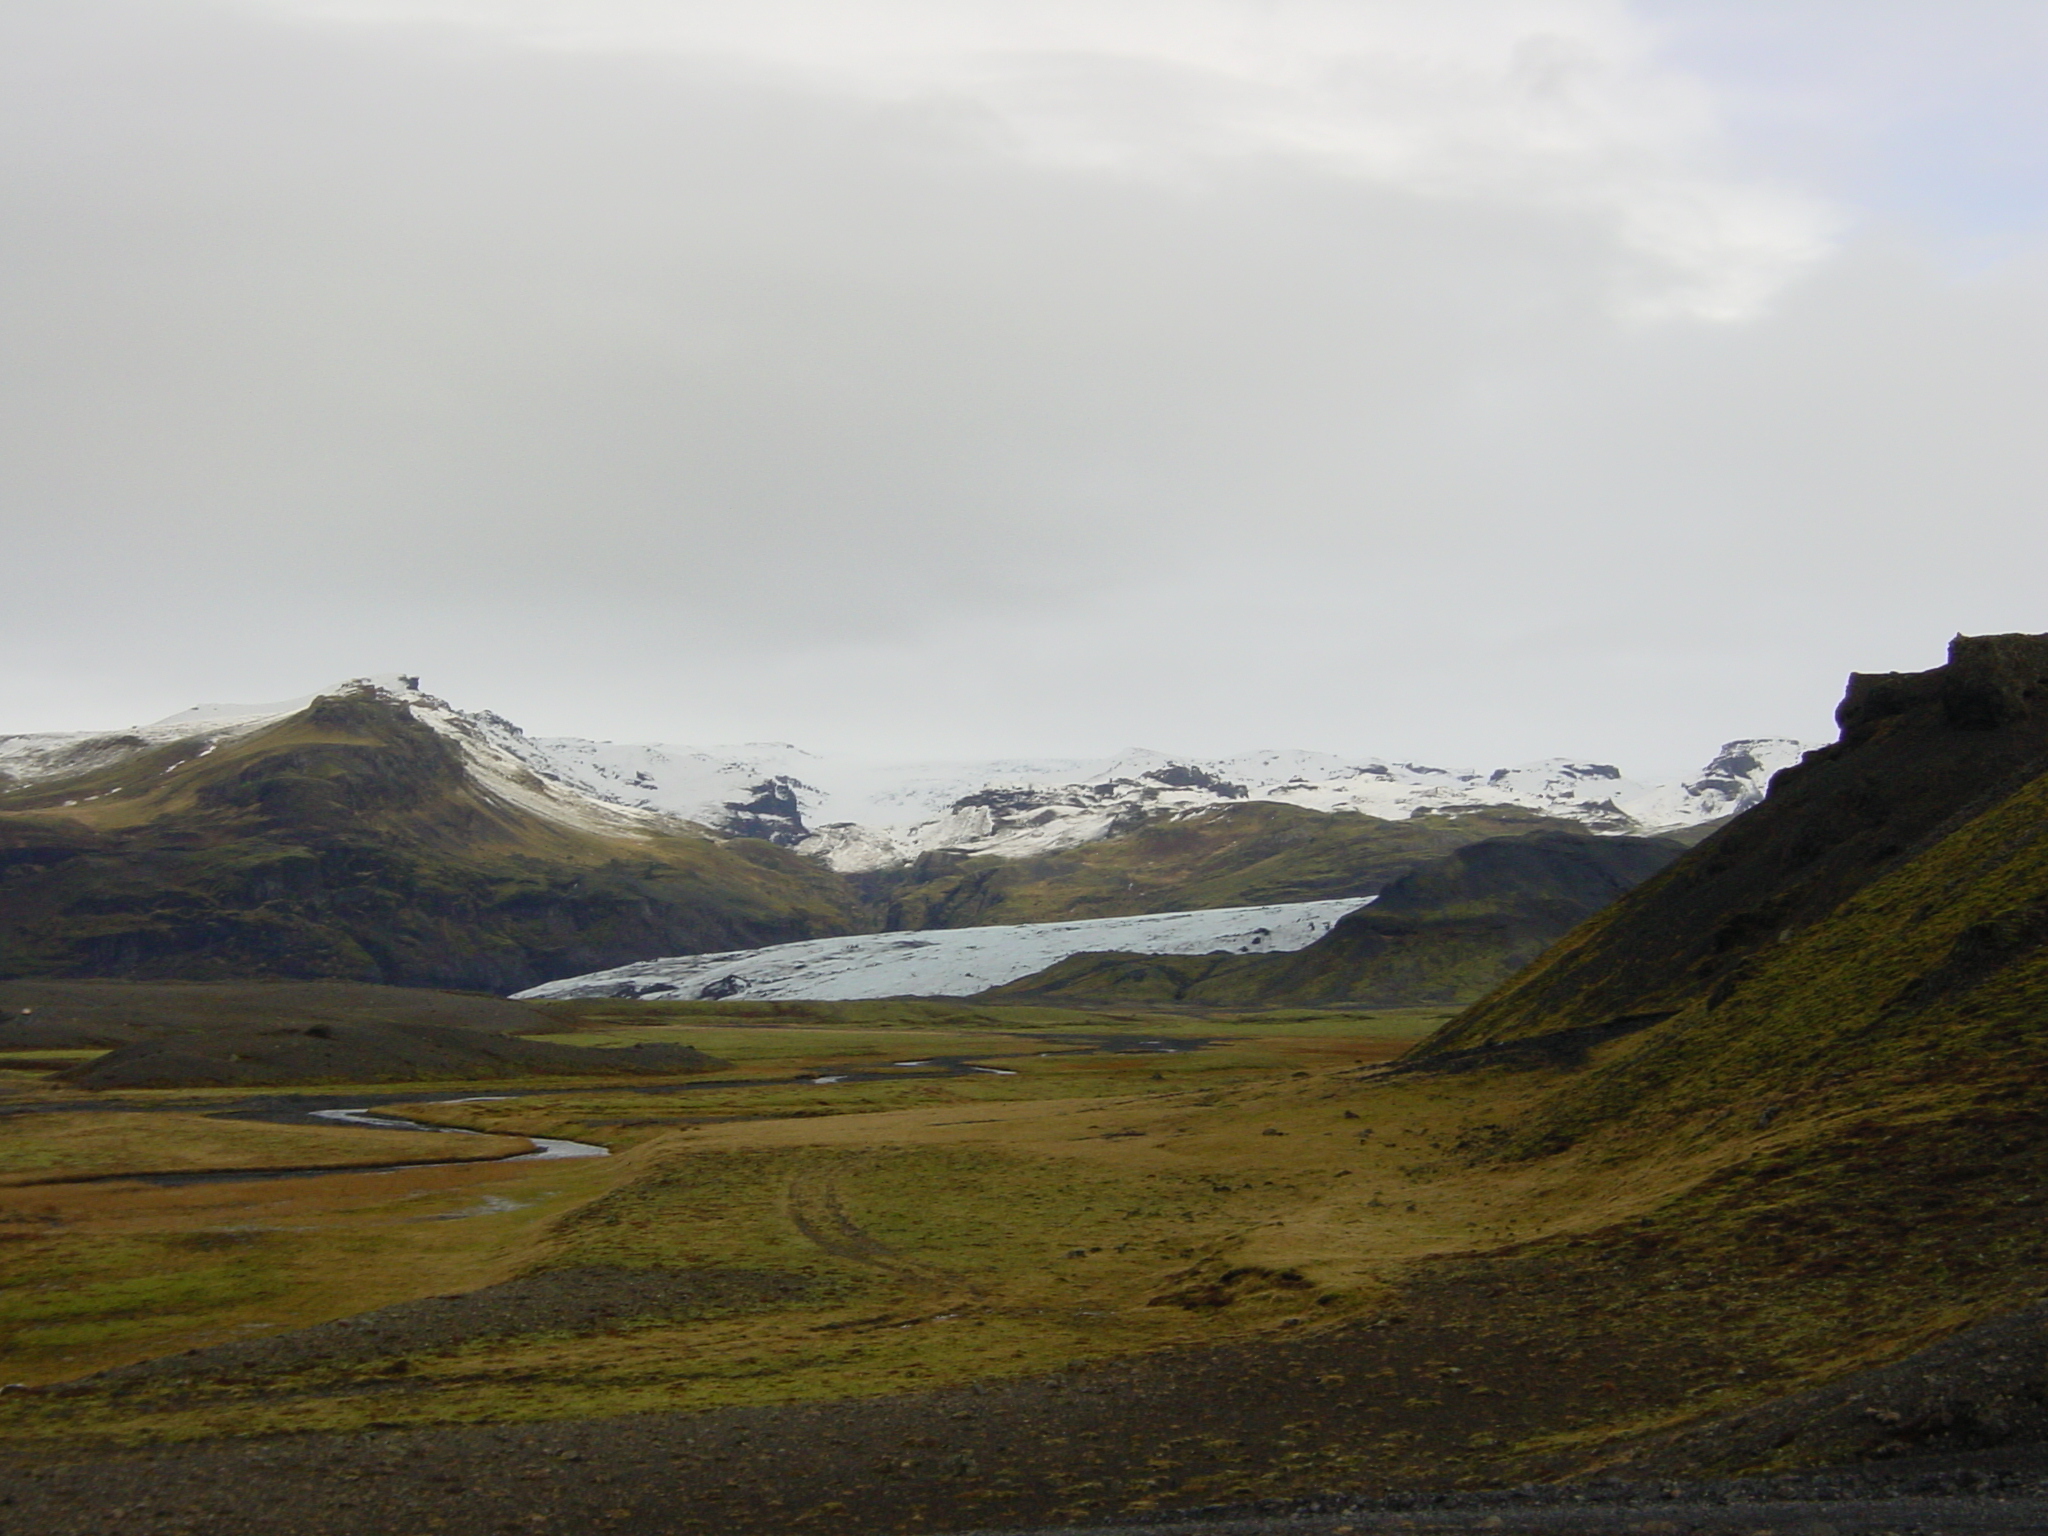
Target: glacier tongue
<point>951,962</point>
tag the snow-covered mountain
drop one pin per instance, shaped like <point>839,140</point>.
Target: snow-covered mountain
<point>951,962</point>
<point>498,756</point>
<point>858,816</point>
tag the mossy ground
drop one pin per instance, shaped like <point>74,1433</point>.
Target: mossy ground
<point>960,1197</point>
<point>38,1148</point>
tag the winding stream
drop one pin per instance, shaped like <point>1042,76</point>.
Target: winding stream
<point>546,1147</point>
<point>294,1109</point>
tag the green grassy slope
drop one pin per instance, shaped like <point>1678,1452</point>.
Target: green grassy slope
<point>1446,932</point>
<point>348,842</point>
<point>1923,993</point>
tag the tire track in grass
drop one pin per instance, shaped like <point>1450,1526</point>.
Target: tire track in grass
<point>816,1212</point>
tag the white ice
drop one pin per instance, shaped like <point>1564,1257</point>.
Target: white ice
<point>952,962</point>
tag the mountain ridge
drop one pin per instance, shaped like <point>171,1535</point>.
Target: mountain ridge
<point>863,817</point>
<point>351,840</point>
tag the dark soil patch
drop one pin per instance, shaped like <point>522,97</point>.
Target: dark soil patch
<point>1982,1388</point>
<point>1432,1397</point>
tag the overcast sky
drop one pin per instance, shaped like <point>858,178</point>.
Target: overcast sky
<point>1459,380</point>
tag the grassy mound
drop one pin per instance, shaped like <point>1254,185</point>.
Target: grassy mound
<point>357,1051</point>
<point>81,1014</point>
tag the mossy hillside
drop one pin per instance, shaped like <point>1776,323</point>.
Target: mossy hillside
<point>349,842</point>
<point>1858,1091</point>
<point>1921,995</point>
<point>1446,932</point>
<point>1229,856</point>
<point>1920,754</point>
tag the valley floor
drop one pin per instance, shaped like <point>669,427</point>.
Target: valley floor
<point>898,1269</point>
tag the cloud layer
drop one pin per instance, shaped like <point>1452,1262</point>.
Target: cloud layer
<point>978,378</point>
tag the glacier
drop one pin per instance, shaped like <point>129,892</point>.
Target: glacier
<point>949,962</point>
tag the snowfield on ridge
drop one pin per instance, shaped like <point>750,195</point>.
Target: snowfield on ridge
<point>950,962</point>
<point>856,816</point>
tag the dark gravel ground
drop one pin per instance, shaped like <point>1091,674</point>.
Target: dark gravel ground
<point>2004,1490</point>
<point>1090,1448</point>
<point>583,1299</point>
<point>488,1481</point>
<point>1209,1442</point>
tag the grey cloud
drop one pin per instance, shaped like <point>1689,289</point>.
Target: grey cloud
<point>640,397</point>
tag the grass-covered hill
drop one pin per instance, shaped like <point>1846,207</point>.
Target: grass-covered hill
<point>1242,855</point>
<point>1861,963</point>
<point>350,841</point>
<point>1448,931</point>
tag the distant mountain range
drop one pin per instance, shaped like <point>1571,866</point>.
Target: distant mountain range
<point>859,817</point>
<point>375,833</point>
